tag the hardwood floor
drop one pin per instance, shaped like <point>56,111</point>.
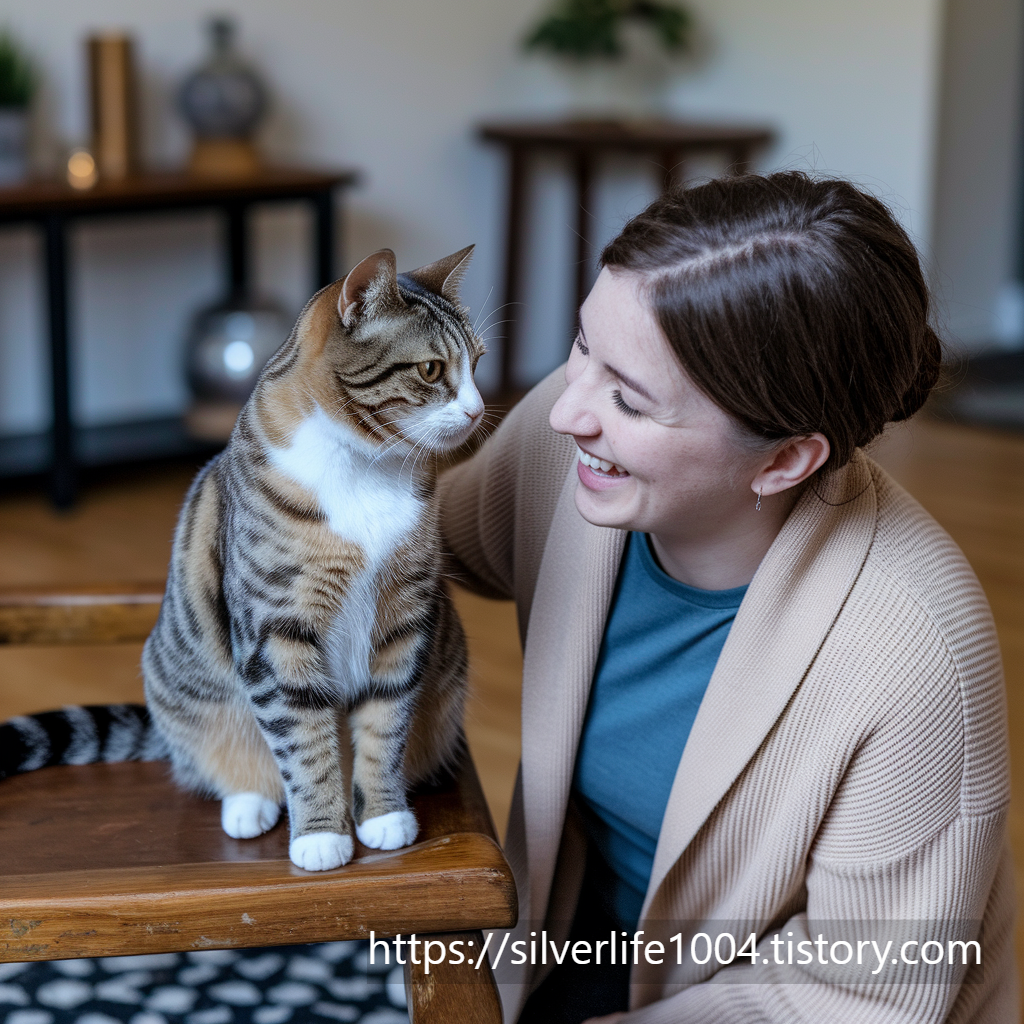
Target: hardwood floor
<point>971,480</point>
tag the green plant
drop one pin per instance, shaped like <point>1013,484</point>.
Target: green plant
<point>590,28</point>
<point>17,79</point>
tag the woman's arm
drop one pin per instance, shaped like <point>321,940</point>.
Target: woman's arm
<point>911,847</point>
<point>953,889</point>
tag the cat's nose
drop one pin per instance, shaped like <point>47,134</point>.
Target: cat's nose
<point>474,407</point>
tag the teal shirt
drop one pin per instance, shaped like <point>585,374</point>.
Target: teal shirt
<point>661,643</point>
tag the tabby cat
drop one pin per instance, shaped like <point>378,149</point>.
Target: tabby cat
<point>306,633</point>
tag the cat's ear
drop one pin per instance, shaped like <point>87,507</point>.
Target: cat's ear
<point>370,289</point>
<point>444,277</point>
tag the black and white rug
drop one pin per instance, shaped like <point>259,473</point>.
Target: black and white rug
<point>317,984</point>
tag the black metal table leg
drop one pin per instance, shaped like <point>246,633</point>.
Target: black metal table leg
<point>237,249</point>
<point>323,206</point>
<point>62,465</point>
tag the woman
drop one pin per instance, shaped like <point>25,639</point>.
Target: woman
<point>762,690</point>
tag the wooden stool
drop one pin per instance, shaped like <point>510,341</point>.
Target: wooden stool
<point>114,859</point>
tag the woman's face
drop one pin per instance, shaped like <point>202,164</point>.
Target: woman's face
<point>670,462</point>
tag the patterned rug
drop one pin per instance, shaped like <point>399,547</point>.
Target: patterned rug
<point>330,981</point>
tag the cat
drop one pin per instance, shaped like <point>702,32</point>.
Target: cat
<point>306,628</point>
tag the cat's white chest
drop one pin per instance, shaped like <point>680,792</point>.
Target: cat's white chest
<point>366,501</point>
<point>372,505</point>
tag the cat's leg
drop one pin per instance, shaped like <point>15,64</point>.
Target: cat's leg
<point>412,727</point>
<point>300,729</point>
<point>304,741</point>
<point>229,756</point>
<point>219,750</point>
<point>380,729</point>
<point>247,815</point>
<point>436,739</point>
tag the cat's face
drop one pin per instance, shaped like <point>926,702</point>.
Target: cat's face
<point>392,356</point>
<point>411,352</point>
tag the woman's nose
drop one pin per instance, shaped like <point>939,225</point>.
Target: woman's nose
<point>572,413</point>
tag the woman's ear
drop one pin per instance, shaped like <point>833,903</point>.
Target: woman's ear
<point>792,464</point>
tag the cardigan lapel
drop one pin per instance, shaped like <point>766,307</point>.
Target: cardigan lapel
<point>571,600</point>
<point>785,616</point>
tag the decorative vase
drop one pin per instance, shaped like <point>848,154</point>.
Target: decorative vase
<point>13,145</point>
<point>228,346</point>
<point>223,101</point>
<point>112,93</point>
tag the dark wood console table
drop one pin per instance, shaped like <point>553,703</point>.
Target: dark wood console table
<point>53,205</point>
<point>669,142</point>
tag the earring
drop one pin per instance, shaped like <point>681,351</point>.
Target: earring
<point>757,507</point>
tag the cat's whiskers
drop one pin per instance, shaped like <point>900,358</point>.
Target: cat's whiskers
<point>494,312</point>
<point>491,326</point>
<point>386,447</point>
<point>483,306</point>
<point>426,444</point>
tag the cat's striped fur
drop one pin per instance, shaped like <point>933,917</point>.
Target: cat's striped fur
<point>306,646</point>
<point>79,735</point>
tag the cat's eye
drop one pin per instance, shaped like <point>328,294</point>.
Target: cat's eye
<point>431,370</point>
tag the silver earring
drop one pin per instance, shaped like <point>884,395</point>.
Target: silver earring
<point>757,507</point>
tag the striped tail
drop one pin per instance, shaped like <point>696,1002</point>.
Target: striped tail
<point>79,735</point>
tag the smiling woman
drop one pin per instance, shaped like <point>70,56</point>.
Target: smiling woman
<point>762,697</point>
<point>648,424</point>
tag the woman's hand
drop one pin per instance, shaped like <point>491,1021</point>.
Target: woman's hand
<point>611,1018</point>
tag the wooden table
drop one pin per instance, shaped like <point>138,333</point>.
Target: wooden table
<point>53,205</point>
<point>670,142</point>
<point>114,860</point>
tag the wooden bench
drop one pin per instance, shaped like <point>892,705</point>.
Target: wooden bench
<point>113,859</point>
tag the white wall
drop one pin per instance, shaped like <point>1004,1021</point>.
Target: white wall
<point>978,172</point>
<point>394,87</point>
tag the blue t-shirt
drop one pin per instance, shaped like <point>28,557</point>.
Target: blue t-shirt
<point>661,643</point>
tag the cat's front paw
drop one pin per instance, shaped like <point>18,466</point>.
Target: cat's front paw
<point>246,815</point>
<point>388,831</point>
<point>321,851</point>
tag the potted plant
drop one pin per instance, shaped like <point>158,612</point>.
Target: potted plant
<point>616,52</point>
<point>17,83</point>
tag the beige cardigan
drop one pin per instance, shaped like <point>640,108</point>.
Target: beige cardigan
<point>848,761</point>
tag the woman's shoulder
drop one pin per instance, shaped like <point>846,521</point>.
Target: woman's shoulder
<point>912,552</point>
<point>917,632</point>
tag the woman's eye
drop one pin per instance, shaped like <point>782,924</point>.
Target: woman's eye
<point>431,370</point>
<point>620,404</point>
<point>580,344</point>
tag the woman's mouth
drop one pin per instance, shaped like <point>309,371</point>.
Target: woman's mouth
<point>600,465</point>
<point>598,473</point>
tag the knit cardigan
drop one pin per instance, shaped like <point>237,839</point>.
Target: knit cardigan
<point>849,761</point>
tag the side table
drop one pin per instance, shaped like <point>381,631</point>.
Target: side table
<point>670,142</point>
<point>53,205</point>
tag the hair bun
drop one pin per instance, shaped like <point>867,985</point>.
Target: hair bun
<point>927,376</point>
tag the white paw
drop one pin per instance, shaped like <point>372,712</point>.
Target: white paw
<point>246,815</point>
<point>321,851</point>
<point>388,831</point>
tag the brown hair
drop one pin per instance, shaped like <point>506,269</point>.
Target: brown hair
<point>796,305</point>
